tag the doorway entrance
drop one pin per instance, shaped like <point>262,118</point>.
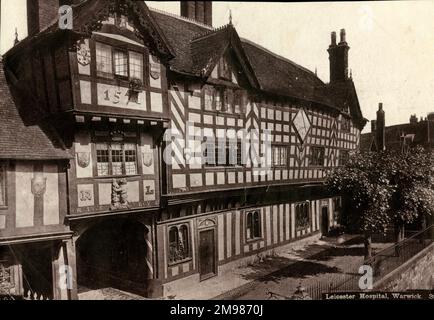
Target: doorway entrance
<point>325,226</point>
<point>112,254</point>
<point>207,254</point>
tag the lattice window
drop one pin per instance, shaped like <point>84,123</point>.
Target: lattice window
<point>302,215</point>
<point>317,156</point>
<point>179,244</point>
<point>116,159</point>
<point>103,159</point>
<point>104,63</point>
<point>253,225</point>
<point>280,156</point>
<point>130,159</point>
<point>136,65</point>
<point>121,63</point>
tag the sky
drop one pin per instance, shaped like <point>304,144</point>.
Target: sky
<point>392,44</point>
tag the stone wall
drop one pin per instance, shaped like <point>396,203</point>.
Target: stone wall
<point>418,276</point>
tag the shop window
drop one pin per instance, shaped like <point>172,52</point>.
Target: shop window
<point>179,244</point>
<point>253,225</point>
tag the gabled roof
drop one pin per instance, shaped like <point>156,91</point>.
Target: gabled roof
<point>275,74</point>
<point>208,49</point>
<point>89,15</point>
<point>19,141</point>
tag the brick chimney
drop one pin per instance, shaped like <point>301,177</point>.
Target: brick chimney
<point>40,14</point>
<point>338,55</point>
<point>380,133</point>
<point>201,11</point>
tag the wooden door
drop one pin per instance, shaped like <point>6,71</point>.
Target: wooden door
<point>207,254</point>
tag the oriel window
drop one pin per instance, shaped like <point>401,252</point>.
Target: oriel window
<point>121,63</point>
<point>104,64</point>
<point>136,65</point>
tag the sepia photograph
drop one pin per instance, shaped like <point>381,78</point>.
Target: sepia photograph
<point>229,152</point>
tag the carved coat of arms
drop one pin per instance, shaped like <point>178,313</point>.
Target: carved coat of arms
<point>148,159</point>
<point>39,185</point>
<point>83,159</point>
<point>83,55</point>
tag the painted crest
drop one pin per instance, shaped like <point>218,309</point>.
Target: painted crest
<point>39,185</point>
<point>83,159</point>
<point>83,55</point>
<point>155,69</point>
<point>148,159</point>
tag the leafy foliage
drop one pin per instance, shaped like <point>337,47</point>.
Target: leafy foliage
<point>385,188</point>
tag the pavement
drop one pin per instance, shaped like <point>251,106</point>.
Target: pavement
<point>304,263</point>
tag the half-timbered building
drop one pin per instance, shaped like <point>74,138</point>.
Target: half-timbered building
<point>163,115</point>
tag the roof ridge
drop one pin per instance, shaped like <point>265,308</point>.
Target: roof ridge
<point>200,24</point>
<point>210,32</point>
<point>277,55</point>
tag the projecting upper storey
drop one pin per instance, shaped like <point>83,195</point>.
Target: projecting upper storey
<point>115,58</point>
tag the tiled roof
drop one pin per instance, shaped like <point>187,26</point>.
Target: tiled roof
<point>19,141</point>
<point>275,74</point>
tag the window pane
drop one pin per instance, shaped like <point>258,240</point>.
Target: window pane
<point>121,63</point>
<point>136,65</point>
<point>249,225</point>
<point>209,154</point>
<point>183,243</point>
<point>102,159</point>
<point>2,185</point>
<point>257,225</point>
<point>117,159</point>
<point>130,159</point>
<point>104,60</point>
<point>173,244</point>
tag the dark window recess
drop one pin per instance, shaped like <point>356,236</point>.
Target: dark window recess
<point>302,213</point>
<point>344,157</point>
<point>317,156</point>
<point>179,243</point>
<point>253,225</point>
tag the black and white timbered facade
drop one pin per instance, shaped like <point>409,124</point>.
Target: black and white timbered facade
<point>164,118</point>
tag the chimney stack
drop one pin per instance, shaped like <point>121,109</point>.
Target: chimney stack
<point>413,119</point>
<point>338,55</point>
<point>201,11</point>
<point>380,134</point>
<point>40,13</point>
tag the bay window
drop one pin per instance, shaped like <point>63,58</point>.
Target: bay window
<point>136,65</point>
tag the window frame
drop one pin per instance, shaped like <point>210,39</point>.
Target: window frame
<point>216,147</point>
<point>109,142</point>
<point>303,205</point>
<point>313,160</point>
<point>4,184</point>
<point>187,243</point>
<point>345,124</point>
<point>253,236</point>
<point>127,51</point>
<point>283,162</point>
<point>343,160</point>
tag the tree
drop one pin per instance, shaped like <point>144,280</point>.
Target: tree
<point>366,186</point>
<point>411,174</point>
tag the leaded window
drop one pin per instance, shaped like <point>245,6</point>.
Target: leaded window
<point>317,156</point>
<point>253,225</point>
<point>302,213</point>
<point>179,244</point>
<point>121,63</point>
<point>104,64</point>
<point>136,65</point>
<point>280,156</point>
<point>116,159</point>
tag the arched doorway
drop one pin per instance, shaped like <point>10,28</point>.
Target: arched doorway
<point>113,254</point>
